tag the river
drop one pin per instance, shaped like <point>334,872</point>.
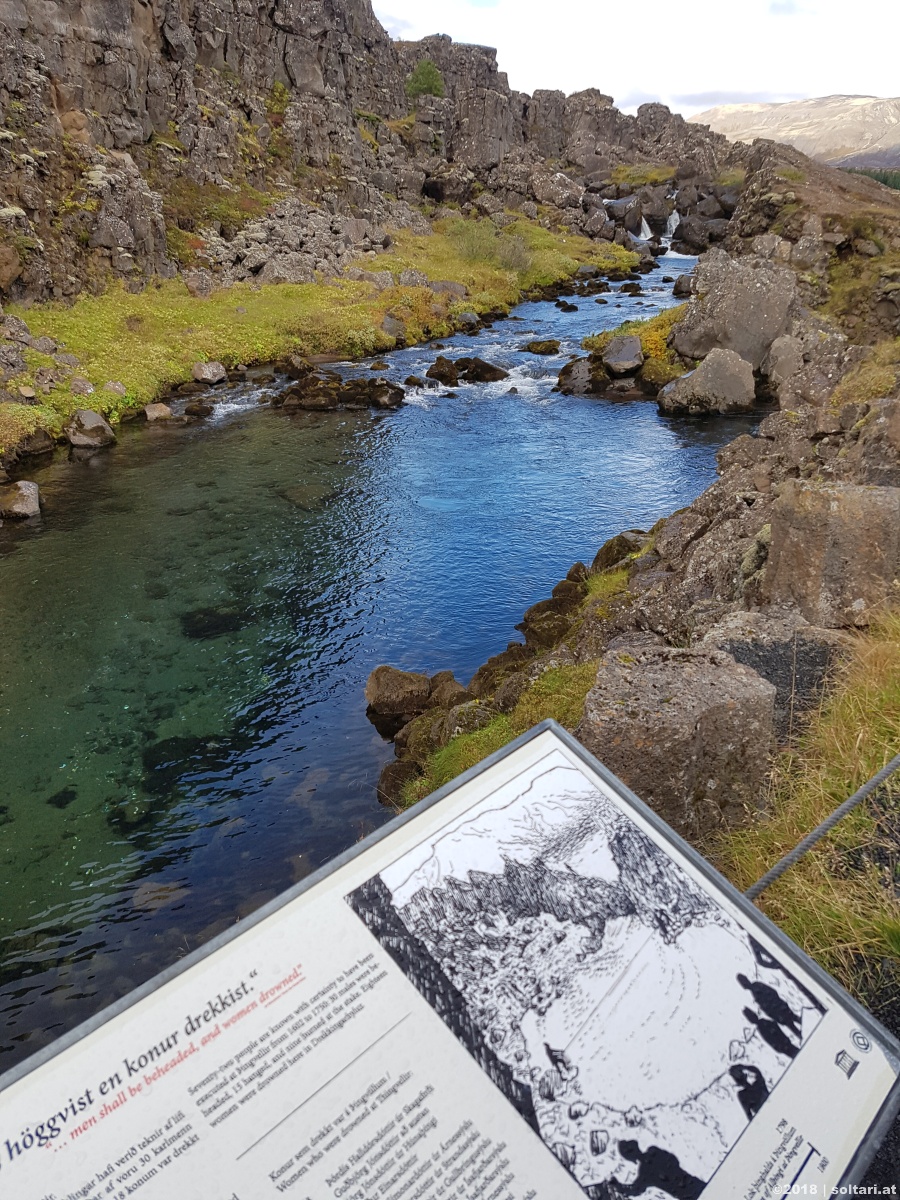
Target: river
<point>187,633</point>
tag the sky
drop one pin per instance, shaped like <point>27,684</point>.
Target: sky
<point>690,55</point>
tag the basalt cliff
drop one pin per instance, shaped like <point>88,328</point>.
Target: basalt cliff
<point>119,119</point>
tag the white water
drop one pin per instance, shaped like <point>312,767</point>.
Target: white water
<point>672,224</point>
<point>646,232</point>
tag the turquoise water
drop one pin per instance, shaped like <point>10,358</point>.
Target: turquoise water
<point>187,633</point>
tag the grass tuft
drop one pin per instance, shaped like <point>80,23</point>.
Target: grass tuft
<point>559,693</point>
<point>839,903</point>
<point>654,335</point>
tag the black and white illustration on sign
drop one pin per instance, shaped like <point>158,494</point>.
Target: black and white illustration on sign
<point>625,1014</point>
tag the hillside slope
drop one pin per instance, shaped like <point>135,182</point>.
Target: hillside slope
<point>857,131</point>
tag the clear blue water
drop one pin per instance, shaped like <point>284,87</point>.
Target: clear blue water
<point>157,784</point>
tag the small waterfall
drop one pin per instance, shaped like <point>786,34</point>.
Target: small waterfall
<point>672,224</point>
<point>646,232</point>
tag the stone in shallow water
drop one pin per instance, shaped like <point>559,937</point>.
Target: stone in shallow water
<point>213,622</point>
<point>19,501</point>
<point>63,798</point>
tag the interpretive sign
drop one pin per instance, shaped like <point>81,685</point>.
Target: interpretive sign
<point>526,989</point>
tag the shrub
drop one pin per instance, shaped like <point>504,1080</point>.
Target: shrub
<point>426,80</point>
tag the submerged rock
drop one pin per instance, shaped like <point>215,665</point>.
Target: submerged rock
<point>212,622</point>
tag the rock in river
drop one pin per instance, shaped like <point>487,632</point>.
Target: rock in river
<point>18,501</point>
<point>89,430</point>
<point>623,356</point>
<point>209,372</point>
<point>723,383</point>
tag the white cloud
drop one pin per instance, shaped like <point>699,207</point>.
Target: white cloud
<point>775,49</point>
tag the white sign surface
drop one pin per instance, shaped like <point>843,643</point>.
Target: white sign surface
<point>527,992</point>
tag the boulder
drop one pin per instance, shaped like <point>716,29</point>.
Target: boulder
<point>795,657</point>
<point>158,412</point>
<point>623,356</point>
<point>581,377</point>
<point>690,731</point>
<point>444,371</point>
<point>550,346</point>
<point>391,692</point>
<point>683,286</point>
<point>557,190</point>
<point>19,501</point>
<point>209,372</point>
<point>835,551</point>
<point>79,386</point>
<point>478,371</point>
<point>198,408</point>
<point>88,430</point>
<point>621,546</point>
<point>200,283</point>
<point>740,304</point>
<point>691,236</point>
<point>447,287</point>
<point>723,383</point>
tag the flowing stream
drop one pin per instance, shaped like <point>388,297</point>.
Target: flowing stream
<point>187,633</point>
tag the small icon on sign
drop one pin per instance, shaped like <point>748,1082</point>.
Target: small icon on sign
<point>847,1064</point>
<point>860,1041</point>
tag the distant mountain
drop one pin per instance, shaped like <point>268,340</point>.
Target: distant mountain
<point>846,131</point>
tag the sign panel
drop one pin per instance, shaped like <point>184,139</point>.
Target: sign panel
<point>527,989</point>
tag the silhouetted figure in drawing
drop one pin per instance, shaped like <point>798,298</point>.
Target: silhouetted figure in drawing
<point>658,1169</point>
<point>752,1091</point>
<point>771,1032</point>
<point>772,1004</point>
<point>765,959</point>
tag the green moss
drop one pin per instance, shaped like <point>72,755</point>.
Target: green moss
<point>642,174</point>
<point>278,99</point>
<point>878,376</point>
<point>604,585</point>
<point>191,206</point>
<point>654,334</point>
<point>558,694</point>
<point>733,177</point>
<point>149,341</point>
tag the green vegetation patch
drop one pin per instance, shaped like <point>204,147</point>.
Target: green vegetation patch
<point>888,177</point>
<point>854,283</point>
<point>840,902</point>
<point>149,341</point>
<point>559,693</point>
<point>425,80</point>
<point>878,376</point>
<point>642,174</point>
<point>653,334</point>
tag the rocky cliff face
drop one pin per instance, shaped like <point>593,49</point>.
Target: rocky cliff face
<point>122,121</point>
<point>857,131</point>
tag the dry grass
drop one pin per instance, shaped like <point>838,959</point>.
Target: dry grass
<point>839,903</point>
<point>876,377</point>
